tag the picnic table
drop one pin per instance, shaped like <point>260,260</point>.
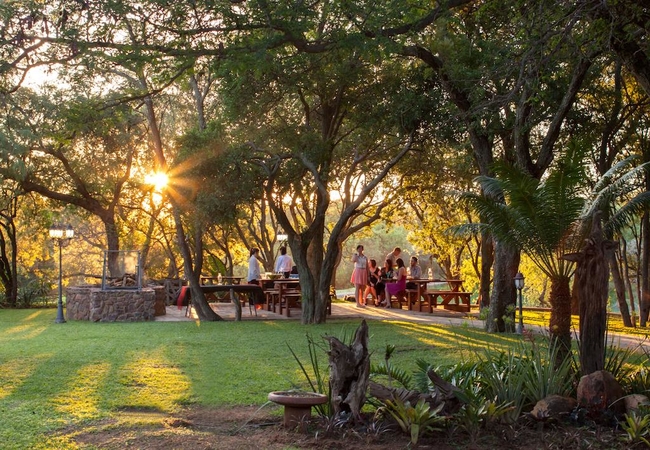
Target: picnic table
<point>284,294</point>
<point>254,291</point>
<point>453,298</point>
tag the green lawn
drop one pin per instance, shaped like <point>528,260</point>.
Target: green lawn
<point>57,375</point>
<point>614,323</point>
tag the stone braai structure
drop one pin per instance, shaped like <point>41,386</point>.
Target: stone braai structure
<point>91,303</point>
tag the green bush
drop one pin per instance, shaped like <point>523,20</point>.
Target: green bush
<point>32,292</point>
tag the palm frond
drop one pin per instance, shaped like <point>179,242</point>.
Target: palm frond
<point>610,189</point>
<point>627,212</point>
<point>611,174</point>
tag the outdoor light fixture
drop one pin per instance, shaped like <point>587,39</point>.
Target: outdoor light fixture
<point>282,237</point>
<point>62,235</point>
<point>519,284</point>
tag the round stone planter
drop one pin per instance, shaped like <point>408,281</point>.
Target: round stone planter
<point>297,405</point>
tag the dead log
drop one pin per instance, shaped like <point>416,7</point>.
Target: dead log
<point>349,372</point>
<point>444,392</point>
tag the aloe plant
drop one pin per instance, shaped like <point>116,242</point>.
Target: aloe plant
<point>415,420</point>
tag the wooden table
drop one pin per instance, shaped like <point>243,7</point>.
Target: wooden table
<point>416,296</point>
<point>286,288</point>
<point>256,293</point>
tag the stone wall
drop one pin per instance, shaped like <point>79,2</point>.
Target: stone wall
<point>117,305</point>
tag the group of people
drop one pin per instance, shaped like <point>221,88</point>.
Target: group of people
<point>368,279</point>
<point>284,265</point>
<point>381,283</point>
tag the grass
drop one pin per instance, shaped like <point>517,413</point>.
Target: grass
<point>53,376</point>
<point>57,376</point>
<point>614,323</point>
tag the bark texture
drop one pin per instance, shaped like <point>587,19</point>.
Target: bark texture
<point>349,372</point>
<point>592,279</point>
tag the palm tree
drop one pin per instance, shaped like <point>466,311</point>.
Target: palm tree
<point>539,218</point>
<point>622,198</point>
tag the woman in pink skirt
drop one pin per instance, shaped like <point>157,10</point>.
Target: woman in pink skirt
<point>359,276</point>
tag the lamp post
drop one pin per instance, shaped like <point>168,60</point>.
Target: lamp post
<point>62,235</point>
<point>519,284</point>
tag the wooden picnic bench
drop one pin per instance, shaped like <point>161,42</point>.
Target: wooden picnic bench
<point>255,293</point>
<point>452,300</point>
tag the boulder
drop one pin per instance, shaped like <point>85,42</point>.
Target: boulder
<point>600,391</point>
<point>553,407</point>
<point>632,402</point>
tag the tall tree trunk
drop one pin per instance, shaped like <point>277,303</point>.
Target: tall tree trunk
<point>625,268</point>
<point>620,288</point>
<point>560,322</point>
<point>504,293</point>
<point>619,285</point>
<point>487,260</point>
<point>113,244</point>
<point>592,280</point>
<point>9,260</point>
<point>201,306</point>
<point>644,300</point>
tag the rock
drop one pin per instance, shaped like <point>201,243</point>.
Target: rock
<point>600,391</point>
<point>553,407</point>
<point>632,402</point>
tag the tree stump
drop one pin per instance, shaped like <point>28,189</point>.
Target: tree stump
<point>349,372</point>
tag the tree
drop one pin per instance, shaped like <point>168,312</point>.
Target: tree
<point>541,219</point>
<point>78,156</point>
<point>306,152</point>
<point>9,198</point>
<point>499,65</point>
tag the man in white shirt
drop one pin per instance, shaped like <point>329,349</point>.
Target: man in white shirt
<point>284,263</point>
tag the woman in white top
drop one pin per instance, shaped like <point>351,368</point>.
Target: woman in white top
<point>284,263</point>
<point>359,276</point>
<point>254,274</point>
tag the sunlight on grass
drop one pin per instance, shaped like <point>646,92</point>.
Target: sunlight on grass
<point>81,400</point>
<point>35,315</point>
<point>154,383</point>
<point>13,373</point>
<point>457,339</point>
<point>27,331</point>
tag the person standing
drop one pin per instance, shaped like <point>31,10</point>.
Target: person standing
<point>284,263</point>
<point>359,276</point>
<point>254,274</point>
<point>392,256</point>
